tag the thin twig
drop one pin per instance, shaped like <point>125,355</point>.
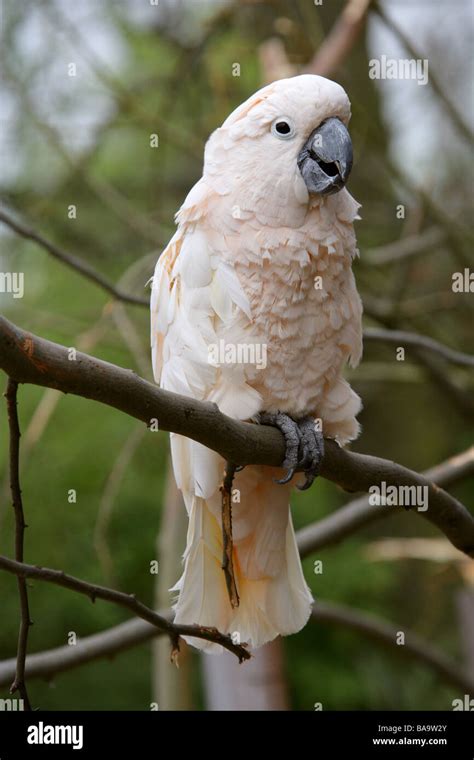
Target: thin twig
<point>128,601</point>
<point>105,192</point>
<point>403,337</point>
<point>28,358</point>
<point>227,542</point>
<point>79,265</point>
<point>413,52</point>
<point>19,683</point>
<point>427,352</point>
<point>386,634</point>
<point>108,498</point>
<point>336,47</point>
<point>405,247</point>
<point>460,398</point>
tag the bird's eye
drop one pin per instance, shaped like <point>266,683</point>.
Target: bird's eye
<point>283,128</point>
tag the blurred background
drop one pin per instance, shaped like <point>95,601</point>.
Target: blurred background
<point>105,109</point>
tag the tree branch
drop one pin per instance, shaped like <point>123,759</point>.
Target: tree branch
<point>134,632</point>
<point>128,601</point>
<point>19,683</point>
<point>341,39</point>
<point>107,643</point>
<point>403,337</point>
<point>461,399</point>
<point>30,359</point>
<point>359,512</point>
<point>456,117</point>
<point>79,265</point>
<point>386,634</point>
<point>426,356</point>
<point>405,247</point>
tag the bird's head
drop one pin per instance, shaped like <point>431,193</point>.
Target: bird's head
<point>285,146</point>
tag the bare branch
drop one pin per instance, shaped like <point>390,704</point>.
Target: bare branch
<point>30,359</point>
<point>71,261</point>
<point>128,601</point>
<point>108,498</point>
<point>403,337</point>
<point>456,117</point>
<point>405,247</point>
<point>359,512</point>
<point>112,198</point>
<point>458,233</point>
<point>386,634</point>
<point>107,643</point>
<point>19,683</point>
<point>134,632</point>
<point>340,40</point>
<point>459,398</point>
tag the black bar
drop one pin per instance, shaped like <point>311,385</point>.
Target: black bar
<point>364,734</point>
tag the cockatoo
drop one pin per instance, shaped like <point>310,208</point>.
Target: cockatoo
<point>254,307</point>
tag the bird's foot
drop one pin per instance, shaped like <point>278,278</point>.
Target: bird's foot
<point>312,450</point>
<point>304,445</point>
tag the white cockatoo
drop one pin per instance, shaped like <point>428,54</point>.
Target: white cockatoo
<point>254,307</point>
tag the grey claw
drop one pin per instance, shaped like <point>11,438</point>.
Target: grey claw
<point>309,480</point>
<point>304,446</point>
<point>287,477</point>
<point>312,445</point>
<point>291,433</point>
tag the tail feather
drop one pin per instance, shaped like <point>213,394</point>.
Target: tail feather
<point>274,597</point>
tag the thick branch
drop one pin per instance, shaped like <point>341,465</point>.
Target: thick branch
<point>19,683</point>
<point>79,265</point>
<point>30,359</point>
<point>359,512</point>
<point>128,601</point>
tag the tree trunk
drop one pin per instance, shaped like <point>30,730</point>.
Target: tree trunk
<point>258,684</point>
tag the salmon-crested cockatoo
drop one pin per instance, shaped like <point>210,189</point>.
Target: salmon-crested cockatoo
<point>254,307</point>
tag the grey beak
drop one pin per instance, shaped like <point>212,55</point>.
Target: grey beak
<point>325,161</point>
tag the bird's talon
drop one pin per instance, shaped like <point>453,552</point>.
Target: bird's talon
<point>286,478</point>
<point>304,446</point>
<point>309,480</point>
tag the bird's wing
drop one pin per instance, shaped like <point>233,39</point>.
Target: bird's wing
<point>197,302</point>
<point>350,336</point>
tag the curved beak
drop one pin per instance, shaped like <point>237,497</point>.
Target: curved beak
<point>325,160</point>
